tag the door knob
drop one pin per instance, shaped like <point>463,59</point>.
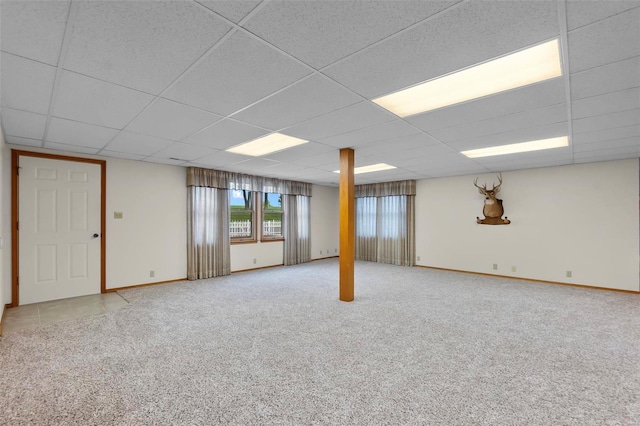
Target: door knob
<point>96,235</point>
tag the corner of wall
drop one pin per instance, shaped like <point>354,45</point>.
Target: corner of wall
<point>5,220</point>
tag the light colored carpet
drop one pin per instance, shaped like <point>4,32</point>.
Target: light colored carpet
<point>275,346</point>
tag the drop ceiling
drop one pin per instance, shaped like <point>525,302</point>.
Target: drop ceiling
<point>179,82</point>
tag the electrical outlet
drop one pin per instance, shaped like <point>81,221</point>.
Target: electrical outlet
<point>320,251</point>
<point>254,260</point>
<point>152,273</point>
<point>495,266</point>
<point>117,215</point>
<point>569,274</point>
<point>418,258</point>
<point>513,269</point>
<point>335,250</point>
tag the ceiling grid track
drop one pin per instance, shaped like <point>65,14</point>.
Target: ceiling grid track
<point>197,62</point>
<point>73,11</point>
<point>564,49</point>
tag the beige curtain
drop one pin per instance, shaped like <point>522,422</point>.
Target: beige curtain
<point>208,246</point>
<point>208,241</point>
<point>385,223</point>
<point>366,229</point>
<point>229,180</point>
<point>296,231</point>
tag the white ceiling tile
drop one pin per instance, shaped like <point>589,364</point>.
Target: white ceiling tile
<point>23,124</point>
<point>608,121</point>
<point>605,79</point>
<point>329,157</point>
<point>527,159</point>
<point>134,143</point>
<point>397,145</point>
<point>79,134</point>
<point>140,44</point>
<point>86,99</point>
<point>225,134</point>
<point>607,41</point>
<point>236,74</point>
<point>319,33</point>
<point>454,171</point>
<point>580,12</point>
<point>330,166</point>
<point>348,119</point>
<point>316,174</point>
<point>607,134</point>
<point>615,153</point>
<point>604,156</point>
<point>219,158</point>
<point>284,169</point>
<point>71,148</point>
<point>516,136</point>
<point>171,120</point>
<point>167,161</point>
<point>264,89</point>
<point>312,97</point>
<point>33,29</point>
<point>607,103</point>
<point>622,144</point>
<point>469,34</point>
<point>540,95</point>
<point>15,140</point>
<point>432,156</point>
<point>234,10</point>
<point>184,152</point>
<point>296,153</point>
<point>531,164</point>
<point>123,155</point>
<point>506,123</point>
<point>25,84</point>
<point>390,130</point>
<point>254,165</point>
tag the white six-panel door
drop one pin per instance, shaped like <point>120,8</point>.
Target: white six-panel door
<point>59,229</point>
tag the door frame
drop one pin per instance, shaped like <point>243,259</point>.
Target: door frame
<point>15,176</point>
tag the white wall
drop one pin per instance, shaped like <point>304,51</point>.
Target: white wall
<point>579,218</point>
<point>324,235</point>
<point>265,254</point>
<point>152,235</point>
<point>325,222</point>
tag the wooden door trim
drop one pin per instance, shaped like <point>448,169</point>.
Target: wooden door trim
<point>15,260</point>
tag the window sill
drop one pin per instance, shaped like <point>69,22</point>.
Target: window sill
<point>271,240</point>
<point>243,242</point>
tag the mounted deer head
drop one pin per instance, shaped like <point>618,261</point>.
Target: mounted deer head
<point>493,209</point>
<point>490,194</point>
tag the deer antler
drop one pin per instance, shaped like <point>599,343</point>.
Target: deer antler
<point>483,188</point>
<point>497,188</point>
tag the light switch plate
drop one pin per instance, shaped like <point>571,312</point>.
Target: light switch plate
<point>117,215</point>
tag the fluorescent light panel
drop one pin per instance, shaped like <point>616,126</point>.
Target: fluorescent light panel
<point>368,169</point>
<point>266,145</point>
<point>538,145</point>
<point>538,63</point>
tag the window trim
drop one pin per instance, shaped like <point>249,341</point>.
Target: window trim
<point>268,238</point>
<point>254,231</point>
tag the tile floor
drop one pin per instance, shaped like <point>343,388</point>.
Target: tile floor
<point>45,313</point>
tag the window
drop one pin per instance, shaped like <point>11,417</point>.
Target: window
<point>242,214</point>
<point>246,209</point>
<point>271,216</point>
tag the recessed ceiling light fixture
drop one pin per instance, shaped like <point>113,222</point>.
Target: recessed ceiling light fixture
<point>266,145</point>
<point>538,145</point>
<point>372,168</point>
<point>528,66</point>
